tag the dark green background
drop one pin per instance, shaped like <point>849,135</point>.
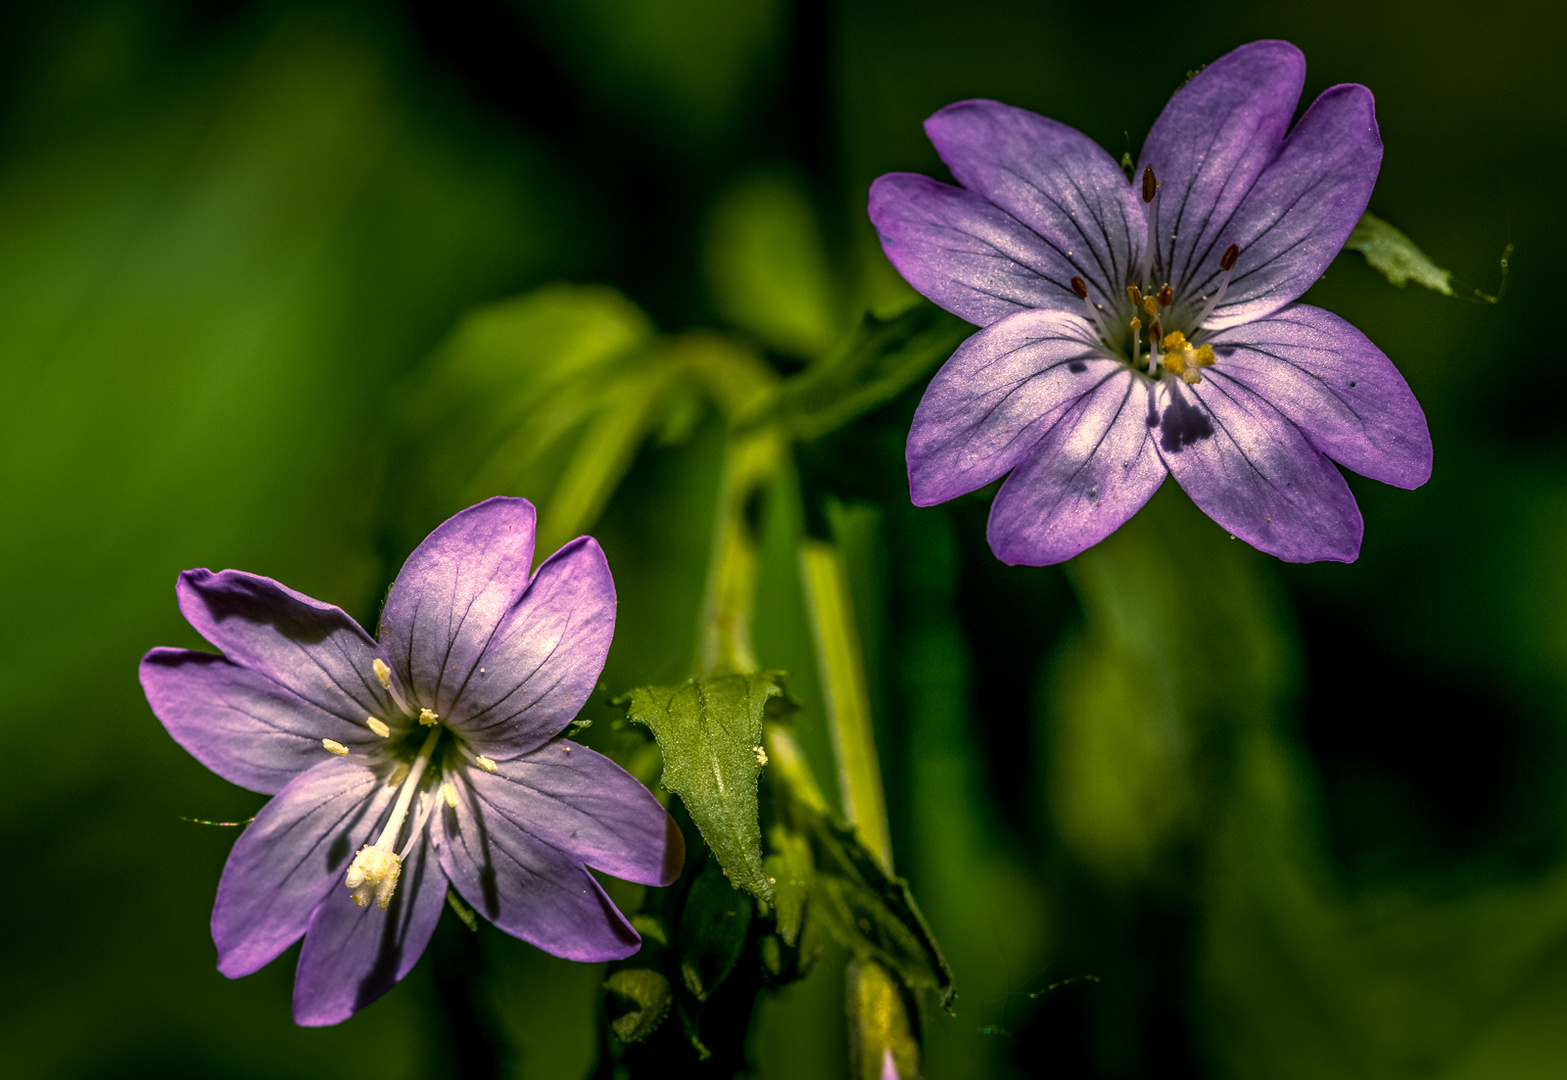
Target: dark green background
<point>1312,821</point>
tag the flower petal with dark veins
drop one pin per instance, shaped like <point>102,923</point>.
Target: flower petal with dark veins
<point>525,885</point>
<point>243,726</point>
<point>1255,473</point>
<point>585,805</point>
<point>310,648</point>
<point>1093,471</point>
<point>288,859</point>
<point>998,396</point>
<point>352,955</point>
<point>545,658</point>
<point>451,596</point>
<point>1337,387</point>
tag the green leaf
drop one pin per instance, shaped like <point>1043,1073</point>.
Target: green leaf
<point>710,733</point>
<point>713,928</point>
<point>638,1000</point>
<point>1395,256</point>
<point>875,364</point>
<point>792,873</point>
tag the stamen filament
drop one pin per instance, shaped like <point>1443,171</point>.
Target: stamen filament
<point>1081,289</point>
<point>1151,212</point>
<point>1227,264</point>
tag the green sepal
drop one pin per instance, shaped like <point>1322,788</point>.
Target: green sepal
<point>462,910</point>
<point>641,997</point>
<point>710,733</point>
<point>793,873</point>
<point>713,928</point>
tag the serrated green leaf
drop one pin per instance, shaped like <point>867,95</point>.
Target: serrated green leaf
<point>874,365</point>
<point>710,733</point>
<point>793,874</point>
<point>713,928</point>
<point>1395,256</point>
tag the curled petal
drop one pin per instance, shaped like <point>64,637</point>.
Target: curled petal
<point>1254,472</point>
<point>240,724</point>
<point>545,658</point>
<point>1337,387</point>
<point>288,859</point>
<point>352,955</point>
<point>585,805</point>
<point>1093,471</point>
<point>525,885</point>
<point>1209,145</point>
<point>451,596</point>
<point>998,395</point>
<point>1056,181</point>
<point>312,649</point>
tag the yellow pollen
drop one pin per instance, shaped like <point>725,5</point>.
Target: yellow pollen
<point>383,673</point>
<point>428,718</point>
<point>373,875</point>
<point>378,726</point>
<point>484,763</point>
<point>449,793</point>
<point>1183,360</point>
<point>336,747</point>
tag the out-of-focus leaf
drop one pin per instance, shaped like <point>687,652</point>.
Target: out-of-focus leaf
<point>641,997</point>
<point>767,269</point>
<point>713,928</point>
<point>874,365</point>
<point>1395,256</point>
<point>710,732</point>
<point>879,1024</point>
<point>793,874</point>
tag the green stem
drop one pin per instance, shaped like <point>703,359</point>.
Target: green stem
<point>724,645</point>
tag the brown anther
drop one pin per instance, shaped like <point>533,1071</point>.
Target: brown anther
<point>1137,324</point>
<point>1227,260</point>
<point>1151,307</point>
<point>1080,288</point>
<point>1166,295</point>
<point>1135,295</point>
<point>1155,331</point>
<point>1150,185</point>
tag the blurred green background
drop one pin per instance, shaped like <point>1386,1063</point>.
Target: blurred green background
<point>1292,821</point>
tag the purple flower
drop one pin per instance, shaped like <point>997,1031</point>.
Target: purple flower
<point>1134,329</point>
<point>427,759</point>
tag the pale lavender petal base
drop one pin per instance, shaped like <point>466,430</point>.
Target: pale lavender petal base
<point>1253,472</point>
<point>287,860</point>
<point>241,725</point>
<point>997,397</point>
<point>1095,469</point>
<point>352,955</point>
<point>587,806</point>
<point>450,596</point>
<point>526,886</point>
<point>1337,387</point>
<point>544,659</point>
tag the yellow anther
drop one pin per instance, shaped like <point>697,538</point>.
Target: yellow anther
<point>1137,325</point>
<point>484,763</point>
<point>1149,306</point>
<point>399,774</point>
<point>1174,341</point>
<point>378,726</point>
<point>373,875</point>
<point>336,747</point>
<point>383,673</point>
<point>449,793</point>
<point>428,718</point>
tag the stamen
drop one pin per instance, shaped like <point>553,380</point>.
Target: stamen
<point>1135,295</point>
<point>1137,341</point>
<point>1166,295</point>
<point>378,726</point>
<point>484,763</point>
<point>383,673</point>
<point>336,747</point>
<point>1081,289</point>
<point>374,872</point>
<point>399,774</point>
<point>449,793</point>
<point>1227,264</point>
<point>428,718</point>
<point>1151,212</point>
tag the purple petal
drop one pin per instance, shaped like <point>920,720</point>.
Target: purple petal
<point>1209,145</point>
<point>997,396</point>
<point>312,649</point>
<point>241,725</point>
<point>1095,469</point>
<point>525,885</point>
<point>585,805</point>
<point>1334,385</point>
<point>1056,181</point>
<point>352,955</point>
<point>545,658</point>
<point>1254,473</point>
<point>1302,208</point>
<point>289,858</point>
<point>451,595</point>
<point>964,254</point>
